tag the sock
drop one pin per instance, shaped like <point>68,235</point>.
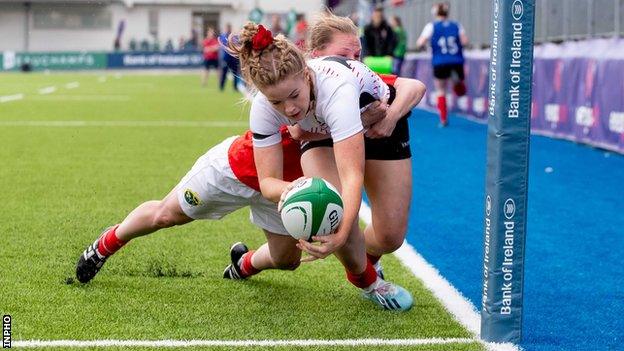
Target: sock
<point>245,265</point>
<point>108,243</point>
<point>442,109</point>
<point>459,88</point>
<point>364,279</point>
<point>372,258</point>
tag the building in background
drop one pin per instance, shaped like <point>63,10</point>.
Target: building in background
<point>105,25</point>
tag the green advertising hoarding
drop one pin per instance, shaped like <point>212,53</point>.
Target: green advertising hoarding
<point>54,60</point>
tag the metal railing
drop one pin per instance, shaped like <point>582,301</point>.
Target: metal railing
<point>555,20</point>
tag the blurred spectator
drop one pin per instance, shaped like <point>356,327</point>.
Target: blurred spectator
<point>181,43</point>
<point>211,54</point>
<point>446,39</point>
<point>133,45</point>
<point>379,38</point>
<point>156,45</point>
<point>301,32</point>
<point>276,25</point>
<point>401,45</point>
<point>229,63</point>
<point>144,46</point>
<point>169,45</point>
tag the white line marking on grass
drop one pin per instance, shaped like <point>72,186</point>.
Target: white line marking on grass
<point>208,124</point>
<point>47,90</point>
<point>102,79</point>
<point>237,343</point>
<point>84,97</point>
<point>454,302</point>
<point>7,98</point>
<point>72,85</point>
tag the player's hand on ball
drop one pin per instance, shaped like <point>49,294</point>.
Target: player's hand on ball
<point>328,244</point>
<point>288,188</point>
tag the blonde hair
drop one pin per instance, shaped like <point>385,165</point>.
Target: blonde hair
<point>326,25</point>
<point>268,66</point>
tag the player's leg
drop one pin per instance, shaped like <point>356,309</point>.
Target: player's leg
<point>440,88</point>
<point>457,76</point>
<point>389,189</point>
<point>279,252</point>
<point>320,162</point>
<point>147,218</point>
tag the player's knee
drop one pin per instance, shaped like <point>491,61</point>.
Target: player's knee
<point>392,239</point>
<point>287,263</point>
<point>164,218</point>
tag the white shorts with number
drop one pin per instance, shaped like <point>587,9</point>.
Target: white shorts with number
<point>210,190</point>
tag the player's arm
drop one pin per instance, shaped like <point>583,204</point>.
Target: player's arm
<point>463,37</point>
<point>425,36</point>
<point>302,135</point>
<point>269,164</point>
<point>409,92</point>
<point>342,116</point>
<point>267,147</point>
<point>349,155</point>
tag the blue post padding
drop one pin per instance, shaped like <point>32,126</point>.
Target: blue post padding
<point>509,110</point>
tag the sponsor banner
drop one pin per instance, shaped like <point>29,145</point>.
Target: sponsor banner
<point>508,111</point>
<point>155,60</point>
<point>574,98</point>
<point>53,60</point>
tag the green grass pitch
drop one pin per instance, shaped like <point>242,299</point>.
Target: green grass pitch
<point>61,185</point>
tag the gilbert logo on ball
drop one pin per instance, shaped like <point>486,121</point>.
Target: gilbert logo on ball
<point>313,207</point>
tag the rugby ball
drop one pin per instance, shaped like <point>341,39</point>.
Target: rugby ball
<point>313,207</point>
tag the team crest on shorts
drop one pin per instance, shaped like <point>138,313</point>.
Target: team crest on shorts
<point>191,197</point>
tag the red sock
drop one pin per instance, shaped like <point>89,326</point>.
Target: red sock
<point>109,243</point>
<point>442,109</point>
<point>246,267</point>
<point>364,279</point>
<point>372,258</point>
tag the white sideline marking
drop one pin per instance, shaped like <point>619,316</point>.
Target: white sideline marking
<point>102,79</point>
<point>237,343</point>
<point>47,90</point>
<point>7,98</point>
<point>72,85</point>
<point>209,124</point>
<point>454,302</point>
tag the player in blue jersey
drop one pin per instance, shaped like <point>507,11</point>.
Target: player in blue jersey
<point>447,39</point>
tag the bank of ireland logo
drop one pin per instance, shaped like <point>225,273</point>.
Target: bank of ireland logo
<point>509,208</point>
<point>517,9</point>
<point>496,7</point>
<point>488,205</point>
<point>191,197</point>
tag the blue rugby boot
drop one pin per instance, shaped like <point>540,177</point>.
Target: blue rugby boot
<point>388,296</point>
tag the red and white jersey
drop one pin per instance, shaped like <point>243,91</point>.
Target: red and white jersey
<point>342,88</point>
<point>242,163</point>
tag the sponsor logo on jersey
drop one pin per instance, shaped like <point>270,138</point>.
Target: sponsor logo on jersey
<point>191,197</point>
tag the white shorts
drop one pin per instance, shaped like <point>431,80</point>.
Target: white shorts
<point>210,190</point>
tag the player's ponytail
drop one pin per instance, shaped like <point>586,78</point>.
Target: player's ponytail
<point>440,9</point>
<point>265,60</point>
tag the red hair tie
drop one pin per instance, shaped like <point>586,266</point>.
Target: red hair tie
<point>262,38</point>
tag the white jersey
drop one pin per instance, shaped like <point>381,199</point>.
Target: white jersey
<point>343,88</point>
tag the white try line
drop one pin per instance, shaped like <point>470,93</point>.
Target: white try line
<point>7,98</point>
<point>47,90</point>
<point>206,124</point>
<point>238,343</point>
<point>454,302</point>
